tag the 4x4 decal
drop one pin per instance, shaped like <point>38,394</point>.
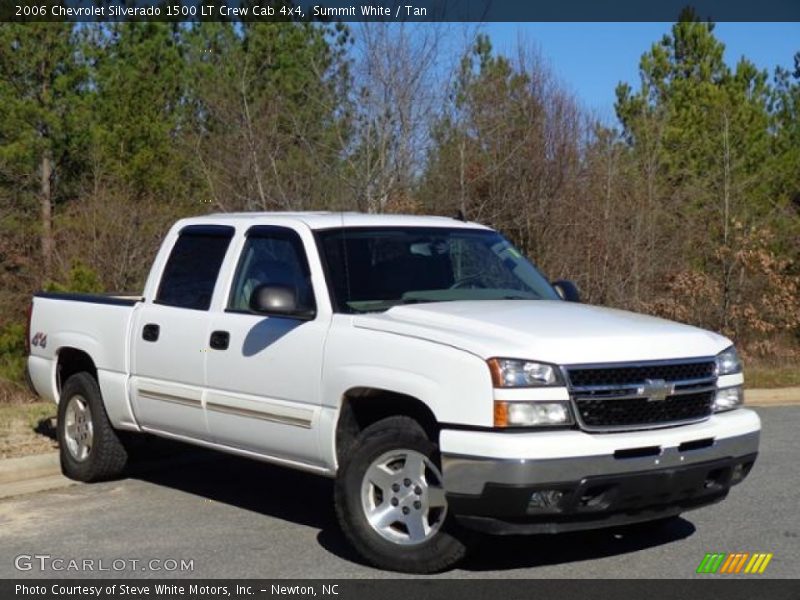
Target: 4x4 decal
<point>40,339</point>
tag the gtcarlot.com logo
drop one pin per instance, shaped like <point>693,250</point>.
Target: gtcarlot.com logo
<point>46,562</point>
<point>723,563</point>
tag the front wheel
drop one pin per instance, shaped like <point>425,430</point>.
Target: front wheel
<point>390,500</point>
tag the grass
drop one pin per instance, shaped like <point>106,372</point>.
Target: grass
<point>27,429</point>
<point>26,424</point>
<point>28,415</point>
<point>761,376</point>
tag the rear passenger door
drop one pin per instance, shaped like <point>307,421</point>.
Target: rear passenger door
<point>170,335</point>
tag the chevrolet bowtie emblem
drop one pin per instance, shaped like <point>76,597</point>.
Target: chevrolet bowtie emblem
<point>655,390</point>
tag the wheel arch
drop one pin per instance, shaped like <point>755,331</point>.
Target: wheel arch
<point>70,361</point>
<point>361,406</point>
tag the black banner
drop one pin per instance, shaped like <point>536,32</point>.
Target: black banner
<point>401,589</point>
<point>396,10</point>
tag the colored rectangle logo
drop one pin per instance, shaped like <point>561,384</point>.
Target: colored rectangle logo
<point>733,563</point>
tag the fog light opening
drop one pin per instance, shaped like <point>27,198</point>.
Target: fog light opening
<point>714,478</point>
<point>545,499</point>
<point>741,471</point>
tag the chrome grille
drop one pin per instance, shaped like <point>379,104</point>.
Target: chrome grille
<point>642,395</point>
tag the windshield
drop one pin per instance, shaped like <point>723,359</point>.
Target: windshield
<point>373,269</point>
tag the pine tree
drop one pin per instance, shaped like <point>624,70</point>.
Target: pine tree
<point>42,86</point>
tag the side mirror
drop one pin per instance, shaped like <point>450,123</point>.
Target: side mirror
<point>278,301</point>
<point>567,290</point>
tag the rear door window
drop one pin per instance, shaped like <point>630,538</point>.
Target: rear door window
<point>193,266</point>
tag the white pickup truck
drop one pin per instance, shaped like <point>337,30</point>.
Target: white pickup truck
<point>422,362</point>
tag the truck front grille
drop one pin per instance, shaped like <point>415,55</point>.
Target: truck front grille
<point>642,395</point>
<point>641,411</point>
<point>635,374</point>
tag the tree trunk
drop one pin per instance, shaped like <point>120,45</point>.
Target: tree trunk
<point>47,217</point>
<point>728,259</point>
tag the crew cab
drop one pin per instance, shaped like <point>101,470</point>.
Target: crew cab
<point>422,362</point>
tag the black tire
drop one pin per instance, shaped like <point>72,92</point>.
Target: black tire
<point>105,456</point>
<point>447,546</point>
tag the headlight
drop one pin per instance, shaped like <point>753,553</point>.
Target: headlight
<point>728,362</point>
<point>729,398</point>
<point>531,414</point>
<point>511,373</point>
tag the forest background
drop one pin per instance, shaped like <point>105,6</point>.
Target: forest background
<point>687,206</point>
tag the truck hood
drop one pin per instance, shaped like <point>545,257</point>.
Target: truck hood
<point>547,330</point>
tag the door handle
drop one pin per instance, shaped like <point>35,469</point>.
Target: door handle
<point>219,340</point>
<point>150,332</point>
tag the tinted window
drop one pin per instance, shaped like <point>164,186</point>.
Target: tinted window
<point>273,256</point>
<point>375,269</point>
<point>191,273</point>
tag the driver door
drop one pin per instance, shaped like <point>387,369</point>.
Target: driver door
<point>263,383</point>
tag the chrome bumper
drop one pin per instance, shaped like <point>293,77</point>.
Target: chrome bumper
<point>588,492</point>
<point>469,475</point>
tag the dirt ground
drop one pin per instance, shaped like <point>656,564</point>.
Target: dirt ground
<point>27,426</point>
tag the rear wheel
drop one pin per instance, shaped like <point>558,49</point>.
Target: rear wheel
<point>390,500</point>
<point>90,449</point>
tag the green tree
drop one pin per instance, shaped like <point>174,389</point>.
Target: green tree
<point>139,79</point>
<point>707,123</point>
<point>704,137</point>
<point>786,122</point>
<point>267,113</point>
<point>42,86</point>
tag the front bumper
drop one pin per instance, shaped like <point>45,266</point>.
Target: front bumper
<point>570,480</point>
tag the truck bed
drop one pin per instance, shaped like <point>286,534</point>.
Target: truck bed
<point>96,324</point>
